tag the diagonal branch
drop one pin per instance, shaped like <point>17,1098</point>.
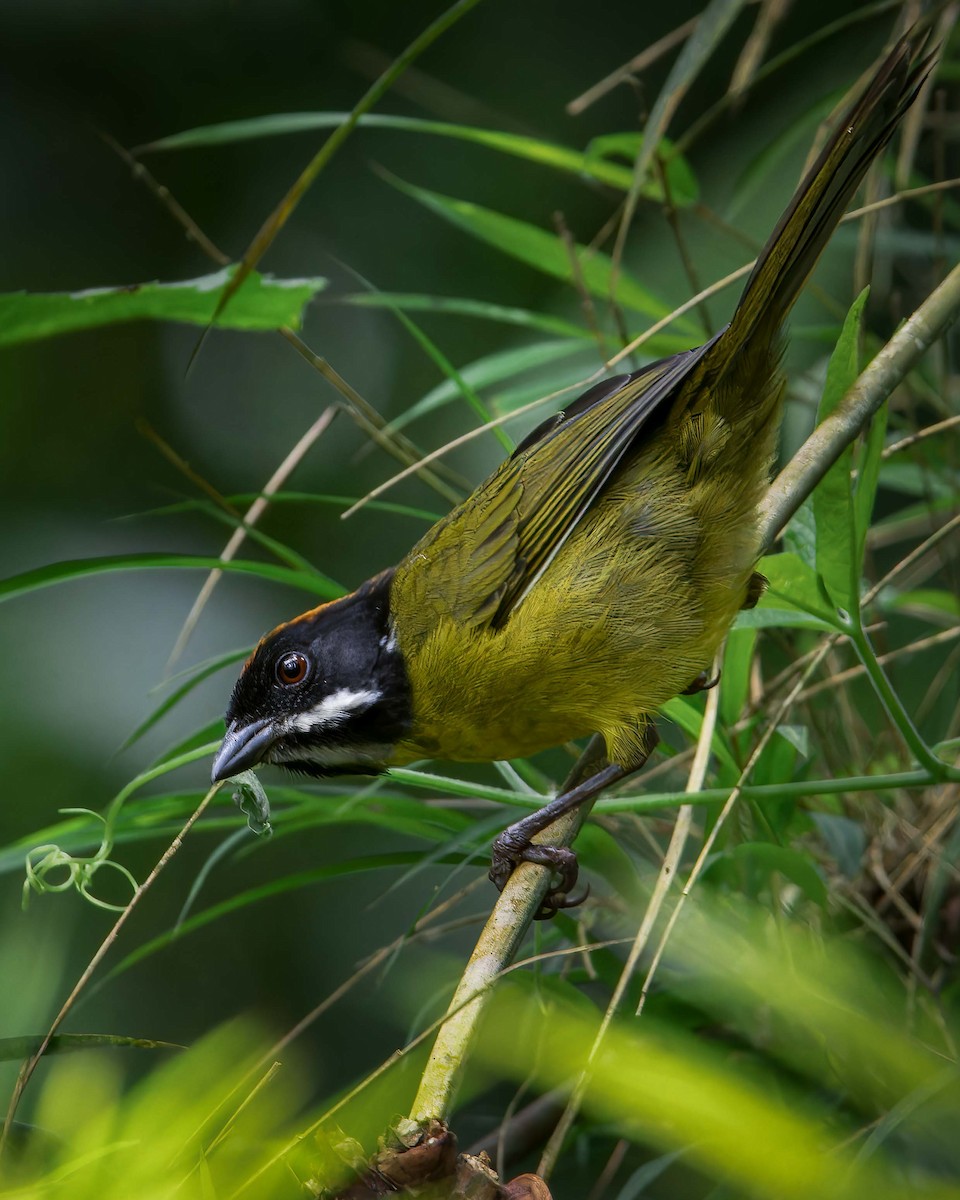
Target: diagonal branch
<point>522,896</point>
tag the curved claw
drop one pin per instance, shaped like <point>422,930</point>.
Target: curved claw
<point>555,900</point>
<point>509,850</point>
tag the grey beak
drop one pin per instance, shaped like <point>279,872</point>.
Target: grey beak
<point>243,747</point>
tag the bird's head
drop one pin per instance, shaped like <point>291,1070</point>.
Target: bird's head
<point>324,694</point>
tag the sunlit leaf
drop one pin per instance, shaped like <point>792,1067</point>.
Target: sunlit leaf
<point>261,303</point>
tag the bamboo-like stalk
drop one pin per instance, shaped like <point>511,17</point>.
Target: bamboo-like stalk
<point>521,898</point>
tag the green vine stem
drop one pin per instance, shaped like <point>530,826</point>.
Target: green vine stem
<point>853,627</point>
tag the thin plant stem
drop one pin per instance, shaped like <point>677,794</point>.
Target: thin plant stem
<point>665,879</point>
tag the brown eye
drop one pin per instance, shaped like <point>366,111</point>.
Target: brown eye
<point>292,668</point>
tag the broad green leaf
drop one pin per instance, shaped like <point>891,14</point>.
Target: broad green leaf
<point>792,583</point>
<point>543,251</point>
<point>800,535</point>
<point>592,164</point>
<point>792,864</point>
<point>62,572</point>
<point>261,303</point>
<point>771,617</point>
<point>837,562</point>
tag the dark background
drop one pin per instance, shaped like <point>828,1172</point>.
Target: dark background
<point>77,662</point>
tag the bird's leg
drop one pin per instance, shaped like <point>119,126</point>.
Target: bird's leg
<point>515,844</point>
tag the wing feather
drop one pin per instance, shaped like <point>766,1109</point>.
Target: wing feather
<point>476,565</point>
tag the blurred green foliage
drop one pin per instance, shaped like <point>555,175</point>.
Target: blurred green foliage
<point>800,1037</point>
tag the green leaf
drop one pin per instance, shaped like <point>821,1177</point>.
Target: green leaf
<point>735,679</point>
<point>793,864</point>
<point>541,250</point>
<point>772,617</point>
<point>800,535</point>
<point>592,164</point>
<point>797,736</point>
<point>681,180</point>
<point>465,307</point>
<point>688,716</point>
<point>62,572</point>
<point>14,1048</point>
<point>261,303</point>
<point>792,584</point>
<point>837,561</point>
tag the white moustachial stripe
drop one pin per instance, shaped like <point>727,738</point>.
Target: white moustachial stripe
<point>333,709</point>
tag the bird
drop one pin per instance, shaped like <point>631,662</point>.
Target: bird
<point>591,577</point>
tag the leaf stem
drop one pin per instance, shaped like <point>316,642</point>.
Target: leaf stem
<point>891,701</point>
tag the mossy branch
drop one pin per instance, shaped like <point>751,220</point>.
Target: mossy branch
<point>523,894</point>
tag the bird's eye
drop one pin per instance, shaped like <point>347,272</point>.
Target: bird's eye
<point>292,669</point>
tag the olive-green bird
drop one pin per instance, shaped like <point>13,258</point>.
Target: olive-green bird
<point>590,578</point>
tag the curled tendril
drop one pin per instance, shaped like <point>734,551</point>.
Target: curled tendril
<point>43,861</point>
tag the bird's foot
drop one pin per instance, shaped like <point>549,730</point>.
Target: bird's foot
<point>511,848</point>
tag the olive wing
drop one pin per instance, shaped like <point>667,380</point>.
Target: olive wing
<point>476,565</point>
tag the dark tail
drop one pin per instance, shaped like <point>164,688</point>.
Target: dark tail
<point>803,231</point>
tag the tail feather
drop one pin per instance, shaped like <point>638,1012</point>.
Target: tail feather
<point>794,247</point>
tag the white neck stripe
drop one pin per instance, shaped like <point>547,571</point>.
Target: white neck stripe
<point>333,710</point>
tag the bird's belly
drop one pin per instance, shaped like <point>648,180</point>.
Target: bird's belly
<point>627,615</point>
